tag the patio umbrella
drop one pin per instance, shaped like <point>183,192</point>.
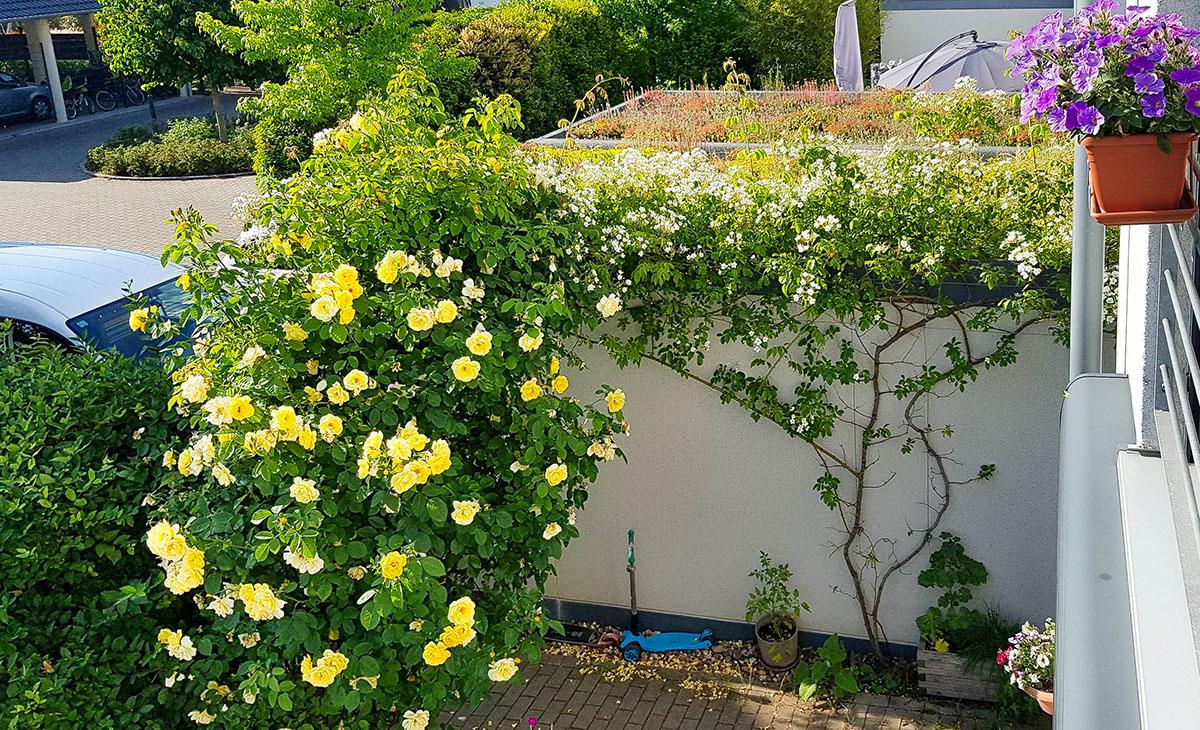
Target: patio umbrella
<point>847,57</point>
<point>962,55</point>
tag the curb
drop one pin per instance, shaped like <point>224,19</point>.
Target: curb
<point>49,126</point>
<point>222,176</point>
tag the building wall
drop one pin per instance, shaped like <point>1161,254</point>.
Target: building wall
<point>705,488</point>
<point>912,27</point>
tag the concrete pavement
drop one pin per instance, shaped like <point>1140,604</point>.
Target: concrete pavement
<point>45,195</point>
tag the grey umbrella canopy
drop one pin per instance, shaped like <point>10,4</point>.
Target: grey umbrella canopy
<point>963,55</point>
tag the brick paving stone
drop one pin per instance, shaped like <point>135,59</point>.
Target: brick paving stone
<point>560,697</point>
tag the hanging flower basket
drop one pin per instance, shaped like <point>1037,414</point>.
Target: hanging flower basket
<point>1126,82</point>
<point>1045,700</point>
<point>1135,181</point>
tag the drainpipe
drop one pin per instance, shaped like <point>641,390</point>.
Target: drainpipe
<point>1087,272</point>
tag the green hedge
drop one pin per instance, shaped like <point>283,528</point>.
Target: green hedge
<point>545,53</point>
<point>75,466</point>
<point>189,146</point>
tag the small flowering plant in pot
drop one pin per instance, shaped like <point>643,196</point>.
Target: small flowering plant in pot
<point>1127,84</point>
<point>1029,661</point>
<point>774,606</point>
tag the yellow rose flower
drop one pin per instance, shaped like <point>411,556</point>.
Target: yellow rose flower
<point>308,439</point>
<point>194,389</point>
<point>615,400</point>
<point>465,511</point>
<point>346,275</point>
<point>410,433</point>
<point>312,366</point>
<point>446,311</point>
<point>337,395</point>
<point>465,369</point>
<point>435,654</point>
<point>330,427</point>
<point>555,474</point>
<point>551,530</point>
<point>260,601</point>
<point>529,343</point>
<point>403,480</point>
<point>420,320</point>
<point>387,270</point>
<point>294,332</point>
<point>346,315</point>
<point>420,469</point>
<point>554,365</point>
<point>391,565</point>
<point>480,343</point>
<point>502,670</point>
<point>240,408</point>
<point>560,383</point>
<point>356,381</point>
<point>284,420</point>
<point>323,308</point>
<point>457,636</point>
<point>530,390</point>
<point>138,319</point>
<point>304,490</point>
<point>462,612</point>
<point>222,474</point>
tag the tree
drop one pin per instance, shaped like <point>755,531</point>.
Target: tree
<point>336,54</point>
<point>161,44</point>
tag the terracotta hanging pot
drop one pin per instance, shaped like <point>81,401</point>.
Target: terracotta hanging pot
<point>1133,178</point>
<point>1045,700</point>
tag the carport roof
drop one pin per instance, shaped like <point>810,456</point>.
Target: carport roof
<point>38,9</point>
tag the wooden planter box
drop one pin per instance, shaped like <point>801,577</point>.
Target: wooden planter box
<point>946,674</point>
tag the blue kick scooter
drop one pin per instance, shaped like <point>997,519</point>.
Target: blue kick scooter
<point>634,643</point>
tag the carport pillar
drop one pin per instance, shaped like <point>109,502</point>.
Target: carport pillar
<point>88,24</point>
<point>36,66</point>
<point>45,51</point>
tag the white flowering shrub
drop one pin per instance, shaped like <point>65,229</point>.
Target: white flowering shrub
<point>387,454</point>
<point>830,265</point>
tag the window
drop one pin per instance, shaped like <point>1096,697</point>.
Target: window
<point>107,327</point>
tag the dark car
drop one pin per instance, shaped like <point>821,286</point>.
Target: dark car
<point>21,99</point>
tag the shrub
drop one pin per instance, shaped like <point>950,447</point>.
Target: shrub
<point>685,41</point>
<point>545,53</point>
<point>129,135</point>
<point>386,458</point>
<point>792,40</point>
<point>76,433</point>
<point>188,129</point>
<point>188,147</point>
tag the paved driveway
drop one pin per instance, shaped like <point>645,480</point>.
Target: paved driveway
<point>46,196</point>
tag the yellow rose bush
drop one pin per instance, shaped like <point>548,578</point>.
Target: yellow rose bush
<point>392,503</point>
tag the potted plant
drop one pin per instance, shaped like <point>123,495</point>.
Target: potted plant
<point>1029,661</point>
<point>1127,85</point>
<point>774,607</point>
<point>957,641</point>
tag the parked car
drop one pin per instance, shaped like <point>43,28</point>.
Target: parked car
<point>23,99</point>
<point>74,295</point>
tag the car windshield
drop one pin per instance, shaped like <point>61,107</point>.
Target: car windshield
<point>107,327</point>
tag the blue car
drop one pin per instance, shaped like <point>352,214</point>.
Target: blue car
<point>74,295</point>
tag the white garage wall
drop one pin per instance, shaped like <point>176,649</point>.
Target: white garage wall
<point>706,488</point>
<point>909,33</point>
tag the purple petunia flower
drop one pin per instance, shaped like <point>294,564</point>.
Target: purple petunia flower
<point>1057,119</point>
<point>1154,106</point>
<point>1192,100</point>
<point>1104,41</point>
<point>1101,6</point>
<point>1045,100</point>
<point>1139,65</point>
<point>1147,84</point>
<point>1186,76</point>
<point>1084,117</point>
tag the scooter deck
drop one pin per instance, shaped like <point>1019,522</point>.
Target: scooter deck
<point>668,641</point>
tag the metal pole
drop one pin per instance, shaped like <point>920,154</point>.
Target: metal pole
<point>1087,276</point>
